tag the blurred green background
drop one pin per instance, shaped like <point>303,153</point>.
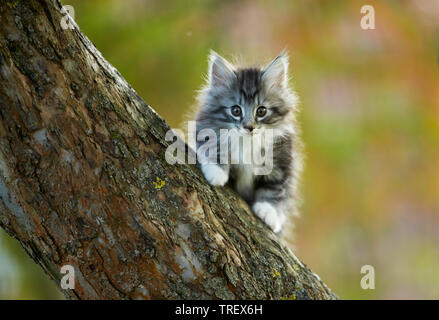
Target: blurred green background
<point>370,119</point>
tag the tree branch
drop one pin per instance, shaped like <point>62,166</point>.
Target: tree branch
<point>84,182</point>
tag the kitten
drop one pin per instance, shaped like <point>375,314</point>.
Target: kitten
<point>250,102</point>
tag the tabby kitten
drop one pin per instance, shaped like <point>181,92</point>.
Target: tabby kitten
<point>251,102</point>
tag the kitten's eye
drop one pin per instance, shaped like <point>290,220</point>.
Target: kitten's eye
<point>261,111</point>
<point>236,111</point>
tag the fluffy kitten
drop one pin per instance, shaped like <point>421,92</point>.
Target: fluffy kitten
<point>249,101</point>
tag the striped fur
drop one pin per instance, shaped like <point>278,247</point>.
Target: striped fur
<point>274,196</point>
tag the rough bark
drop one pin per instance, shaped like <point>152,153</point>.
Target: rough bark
<point>84,181</point>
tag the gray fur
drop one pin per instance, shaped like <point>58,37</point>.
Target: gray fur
<point>250,88</point>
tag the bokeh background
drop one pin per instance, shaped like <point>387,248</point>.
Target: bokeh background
<point>370,120</point>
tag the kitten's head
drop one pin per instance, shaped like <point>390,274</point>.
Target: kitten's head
<point>249,100</point>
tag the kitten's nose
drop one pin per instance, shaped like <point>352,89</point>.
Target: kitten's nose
<point>249,128</point>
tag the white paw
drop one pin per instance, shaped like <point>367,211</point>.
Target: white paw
<point>274,219</point>
<point>214,174</point>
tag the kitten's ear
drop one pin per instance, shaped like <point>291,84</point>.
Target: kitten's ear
<point>276,73</point>
<point>221,72</point>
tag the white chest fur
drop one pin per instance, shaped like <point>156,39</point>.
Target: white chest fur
<point>244,180</point>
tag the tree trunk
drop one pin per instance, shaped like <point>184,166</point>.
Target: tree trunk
<point>84,182</point>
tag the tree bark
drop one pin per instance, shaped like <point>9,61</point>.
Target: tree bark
<point>84,182</point>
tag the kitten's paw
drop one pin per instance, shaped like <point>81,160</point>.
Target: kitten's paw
<point>274,219</point>
<point>214,174</point>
